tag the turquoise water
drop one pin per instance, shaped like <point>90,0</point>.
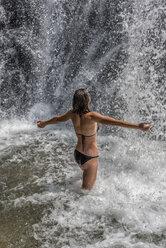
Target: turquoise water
<point>42,203</point>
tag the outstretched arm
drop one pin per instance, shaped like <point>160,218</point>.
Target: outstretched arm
<point>106,120</point>
<point>55,120</point>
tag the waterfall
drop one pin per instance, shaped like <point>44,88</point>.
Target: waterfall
<point>116,49</point>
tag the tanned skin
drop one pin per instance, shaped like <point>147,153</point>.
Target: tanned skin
<point>87,125</point>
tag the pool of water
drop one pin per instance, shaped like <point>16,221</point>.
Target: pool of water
<point>42,203</point>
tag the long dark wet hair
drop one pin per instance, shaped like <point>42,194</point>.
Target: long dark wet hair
<point>81,102</point>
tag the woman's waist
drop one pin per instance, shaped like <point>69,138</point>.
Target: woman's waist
<point>90,149</point>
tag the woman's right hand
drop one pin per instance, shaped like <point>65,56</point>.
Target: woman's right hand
<point>41,124</point>
<point>144,126</point>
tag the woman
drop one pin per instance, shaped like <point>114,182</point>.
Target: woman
<point>85,124</point>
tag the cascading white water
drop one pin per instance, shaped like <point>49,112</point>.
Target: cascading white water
<point>50,48</point>
<point>144,74</point>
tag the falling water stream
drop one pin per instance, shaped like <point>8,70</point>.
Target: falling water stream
<point>115,49</point>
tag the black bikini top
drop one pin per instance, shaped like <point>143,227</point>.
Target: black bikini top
<point>84,136</point>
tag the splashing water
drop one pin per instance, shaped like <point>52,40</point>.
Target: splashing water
<point>41,196</point>
<point>116,50</point>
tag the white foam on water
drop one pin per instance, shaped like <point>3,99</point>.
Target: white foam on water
<point>126,200</point>
<point>9,127</point>
<point>126,207</point>
<point>14,132</point>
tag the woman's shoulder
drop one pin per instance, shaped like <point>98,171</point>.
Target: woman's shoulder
<point>94,114</point>
<point>91,114</point>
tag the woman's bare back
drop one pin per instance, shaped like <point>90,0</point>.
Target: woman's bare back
<point>86,131</point>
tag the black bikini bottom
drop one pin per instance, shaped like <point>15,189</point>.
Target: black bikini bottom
<point>82,158</point>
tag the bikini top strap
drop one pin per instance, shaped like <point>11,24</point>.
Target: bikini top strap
<point>83,138</point>
<point>89,135</point>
